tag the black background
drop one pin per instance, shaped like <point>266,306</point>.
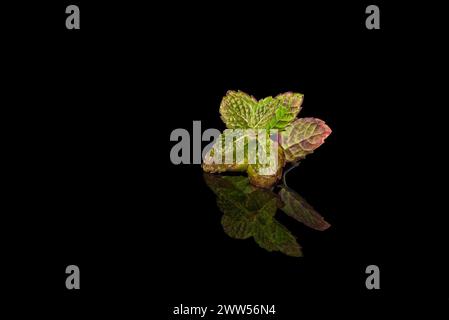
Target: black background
<point>92,113</point>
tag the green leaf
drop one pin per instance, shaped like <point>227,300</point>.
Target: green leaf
<point>288,108</point>
<point>265,113</point>
<point>263,160</point>
<point>240,110</point>
<point>268,169</point>
<point>223,155</point>
<point>292,101</point>
<point>302,137</point>
<point>297,207</point>
<point>237,110</point>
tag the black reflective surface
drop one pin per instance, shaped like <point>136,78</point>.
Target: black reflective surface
<point>93,185</point>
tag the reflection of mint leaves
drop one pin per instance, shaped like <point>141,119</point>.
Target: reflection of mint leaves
<point>298,137</point>
<point>249,212</point>
<point>296,207</point>
<point>276,237</point>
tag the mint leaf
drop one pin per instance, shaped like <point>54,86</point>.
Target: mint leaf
<point>297,138</point>
<point>288,108</point>
<point>264,113</point>
<point>223,155</point>
<point>237,110</point>
<point>265,157</point>
<point>292,101</point>
<point>302,137</point>
<point>241,111</point>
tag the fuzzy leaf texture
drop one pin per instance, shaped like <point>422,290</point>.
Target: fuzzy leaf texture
<point>287,110</point>
<point>237,110</point>
<point>303,137</point>
<point>226,149</point>
<point>240,111</point>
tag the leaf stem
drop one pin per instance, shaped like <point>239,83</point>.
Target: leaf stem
<point>293,166</point>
